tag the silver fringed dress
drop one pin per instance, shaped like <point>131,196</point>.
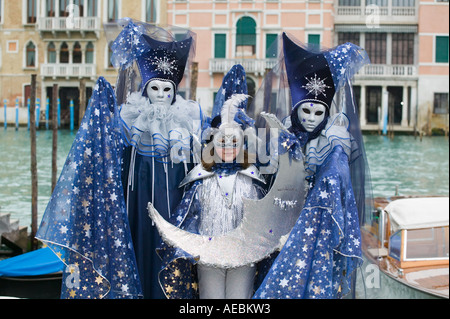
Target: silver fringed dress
<point>212,205</point>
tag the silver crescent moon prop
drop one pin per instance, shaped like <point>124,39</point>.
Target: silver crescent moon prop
<point>265,226</point>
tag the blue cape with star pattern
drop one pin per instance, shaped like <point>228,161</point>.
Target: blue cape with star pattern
<point>324,247</point>
<point>85,222</point>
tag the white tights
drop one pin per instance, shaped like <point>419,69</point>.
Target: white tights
<point>220,283</point>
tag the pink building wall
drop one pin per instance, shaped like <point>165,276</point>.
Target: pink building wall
<point>433,75</point>
<point>422,80</point>
<point>206,18</point>
<point>433,21</point>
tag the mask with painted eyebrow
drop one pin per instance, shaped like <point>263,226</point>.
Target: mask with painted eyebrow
<point>160,92</point>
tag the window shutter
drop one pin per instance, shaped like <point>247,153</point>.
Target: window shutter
<point>220,41</point>
<point>442,49</point>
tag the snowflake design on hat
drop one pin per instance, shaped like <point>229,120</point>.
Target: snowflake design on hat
<point>316,86</point>
<point>165,64</point>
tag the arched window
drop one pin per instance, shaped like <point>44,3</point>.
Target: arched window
<point>90,53</point>
<point>80,7</point>
<point>92,8</point>
<point>110,52</point>
<point>77,54</point>
<point>63,4</point>
<point>251,86</point>
<point>246,37</point>
<point>50,8</point>
<point>31,55</point>
<point>251,89</point>
<point>150,11</point>
<point>51,53</point>
<point>64,53</point>
<point>113,10</point>
<point>31,11</point>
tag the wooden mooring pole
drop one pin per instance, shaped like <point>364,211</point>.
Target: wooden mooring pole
<point>55,134</point>
<point>82,107</point>
<point>194,78</point>
<point>34,179</point>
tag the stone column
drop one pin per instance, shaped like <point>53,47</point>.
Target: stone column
<point>363,106</point>
<point>413,106</point>
<point>405,100</point>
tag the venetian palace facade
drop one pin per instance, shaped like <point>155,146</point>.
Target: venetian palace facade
<point>62,41</point>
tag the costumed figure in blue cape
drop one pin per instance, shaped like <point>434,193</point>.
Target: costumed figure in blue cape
<point>159,129</point>
<point>96,223</point>
<point>85,222</point>
<point>212,207</point>
<point>324,247</point>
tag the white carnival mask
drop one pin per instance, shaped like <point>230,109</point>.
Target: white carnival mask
<point>228,141</point>
<point>230,133</point>
<point>311,115</point>
<point>228,137</point>
<point>160,92</point>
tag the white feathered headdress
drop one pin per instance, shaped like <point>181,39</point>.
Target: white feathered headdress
<point>230,109</point>
<point>229,126</point>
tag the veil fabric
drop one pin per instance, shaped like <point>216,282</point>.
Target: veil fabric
<point>338,176</point>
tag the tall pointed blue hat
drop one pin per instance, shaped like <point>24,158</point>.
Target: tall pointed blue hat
<point>309,75</point>
<point>234,82</point>
<point>233,95</point>
<point>315,77</point>
<point>165,61</point>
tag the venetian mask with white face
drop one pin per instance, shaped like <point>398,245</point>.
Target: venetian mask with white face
<point>228,143</point>
<point>311,115</point>
<point>160,92</point>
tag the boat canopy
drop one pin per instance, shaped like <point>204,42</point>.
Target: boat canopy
<point>415,213</point>
<point>39,262</point>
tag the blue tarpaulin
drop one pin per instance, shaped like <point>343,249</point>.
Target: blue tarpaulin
<point>39,262</point>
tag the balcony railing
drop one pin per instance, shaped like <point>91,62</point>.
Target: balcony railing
<point>389,14</point>
<point>382,11</point>
<point>68,70</point>
<point>384,70</point>
<point>255,66</point>
<point>66,24</point>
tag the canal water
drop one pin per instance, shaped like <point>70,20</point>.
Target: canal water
<point>404,164</point>
<point>408,165</point>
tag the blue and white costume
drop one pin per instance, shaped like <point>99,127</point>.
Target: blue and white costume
<point>324,247</point>
<point>159,138</point>
<point>127,152</point>
<point>213,205</point>
<point>85,222</point>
